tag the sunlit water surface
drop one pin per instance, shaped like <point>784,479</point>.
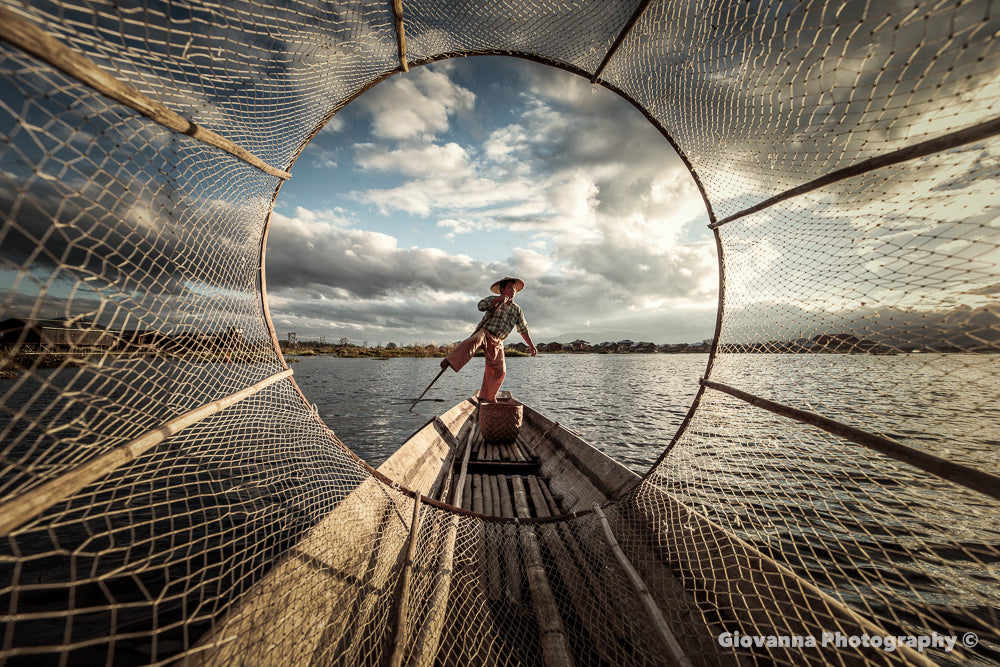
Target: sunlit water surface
<point>627,405</point>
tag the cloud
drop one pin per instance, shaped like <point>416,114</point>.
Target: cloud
<point>416,105</point>
<point>334,125</point>
<point>448,160</point>
<point>442,195</point>
<point>316,249</point>
<point>326,277</point>
<point>324,159</point>
<point>570,190</point>
<point>550,172</point>
<point>504,144</point>
<point>640,271</point>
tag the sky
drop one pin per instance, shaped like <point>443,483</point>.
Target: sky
<point>437,182</point>
<point>416,197</point>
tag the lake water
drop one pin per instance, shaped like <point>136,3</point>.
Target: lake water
<point>628,405</point>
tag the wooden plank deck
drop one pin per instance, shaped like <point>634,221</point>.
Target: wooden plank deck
<point>494,470</point>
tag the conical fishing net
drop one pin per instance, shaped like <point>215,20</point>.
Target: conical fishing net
<point>167,494</point>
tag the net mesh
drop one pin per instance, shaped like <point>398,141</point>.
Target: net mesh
<point>169,495</point>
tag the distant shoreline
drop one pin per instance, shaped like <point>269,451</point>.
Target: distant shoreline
<point>60,359</point>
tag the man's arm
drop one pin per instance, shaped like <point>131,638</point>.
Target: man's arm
<point>522,328</point>
<point>491,303</point>
<point>531,346</point>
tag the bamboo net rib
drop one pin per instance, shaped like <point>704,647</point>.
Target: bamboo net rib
<point>25,35</point>
<point>169,496</point>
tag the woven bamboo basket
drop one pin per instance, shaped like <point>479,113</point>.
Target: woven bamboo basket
<point>500,422</point>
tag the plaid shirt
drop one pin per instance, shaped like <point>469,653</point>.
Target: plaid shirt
<point>503,319</point>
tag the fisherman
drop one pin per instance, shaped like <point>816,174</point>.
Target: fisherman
<point>502,315</point>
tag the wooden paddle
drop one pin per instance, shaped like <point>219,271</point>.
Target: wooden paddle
<point>443,369</point>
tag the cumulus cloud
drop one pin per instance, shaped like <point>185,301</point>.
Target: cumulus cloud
<point>551,171</point>
<point>335,124</point>
<point>448,160</point>
<point>334,279</point>
<point>316,249</point>
<point>417,105</point>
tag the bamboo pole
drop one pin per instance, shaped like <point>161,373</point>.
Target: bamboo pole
<point>618,41</point>
<point>550,499</point>
<point>495,493</point>
<point>537,498</point>
<point>492,557</point>
<point>478,450</point>
<point>971,478</point>
<point>477,494</point>
<point>403,596</point>
<point>32,39</point>
<point>397,17</point>
<point>521,498</point>
<point>518,451</point>
<point>488,496</point>
<point>924,148</point>
<point>26,507</point>
<point>655,615</point>
<point>512,582</point>
<point>467,494</point>
<point>456,497</point>
<point>506,507</point>
<point>428,639</point>
<point>551,633</point>
<point>585,593</point>
<point>491,554</point>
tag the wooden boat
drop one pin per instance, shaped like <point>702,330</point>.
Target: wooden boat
<point>560,472</point>
<point>516,558</point>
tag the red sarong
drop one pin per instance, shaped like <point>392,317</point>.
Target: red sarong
<point>496,365</point>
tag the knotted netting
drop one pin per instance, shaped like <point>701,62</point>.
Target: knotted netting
<point>168,493</point>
